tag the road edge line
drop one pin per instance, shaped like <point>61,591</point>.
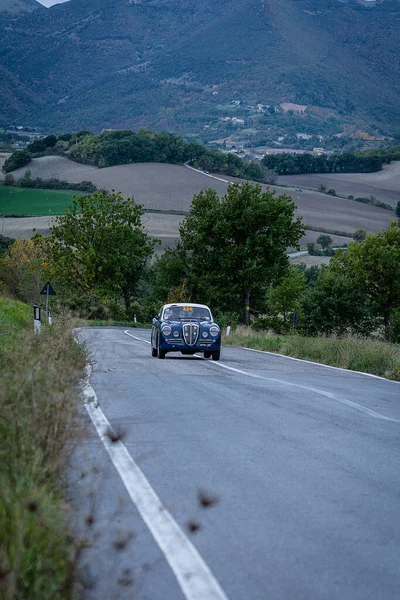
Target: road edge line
<point>310,362</point>
<point>194,577</point>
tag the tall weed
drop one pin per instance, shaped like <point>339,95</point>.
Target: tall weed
<point>357,354</point>
<point>39,402</point>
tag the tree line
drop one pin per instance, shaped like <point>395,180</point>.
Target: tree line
<point>232,255</point>
<point>111,148</point>
<point>27,181</point>
<point>348,162</point>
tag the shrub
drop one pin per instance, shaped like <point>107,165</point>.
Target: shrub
<point>18,159</point>
<point>39,406</point>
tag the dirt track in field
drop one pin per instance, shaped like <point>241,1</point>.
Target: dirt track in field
<point>171,187</point>
<point>384,185</point>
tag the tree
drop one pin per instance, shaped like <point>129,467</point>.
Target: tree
<point>335,305</point>
<point>284,297</point>
<point>5,242</point>
<point>99,247</point>
<point>374,267</point>
<point>9,180</point>
<point>21,269</point>
<point>324,241</point>
<point>236,246</point>
<point>18,159</point>
<point>359,235</point>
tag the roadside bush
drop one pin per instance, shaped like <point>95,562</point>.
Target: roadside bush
<point>273,324</point>
<point>354,353</point>
<point>38,425</point>
<point>224,318</point>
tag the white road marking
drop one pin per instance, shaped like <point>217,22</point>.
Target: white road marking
<point>310,362</point>
<point>136,338</point>
<point>349,403</point>
<point>329,395</point>
<point>196,580</point>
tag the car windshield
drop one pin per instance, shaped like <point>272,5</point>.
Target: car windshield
<point>181,313</point>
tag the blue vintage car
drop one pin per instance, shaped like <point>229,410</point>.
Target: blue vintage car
<point>187,328</point>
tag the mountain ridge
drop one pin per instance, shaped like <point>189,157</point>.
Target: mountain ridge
<point>174,64</point>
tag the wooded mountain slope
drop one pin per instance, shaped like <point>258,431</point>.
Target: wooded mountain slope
<point>178,64</point>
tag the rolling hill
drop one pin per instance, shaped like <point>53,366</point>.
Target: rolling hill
<point>384,185</point>
<point>179,64</point>
<point>163,187</point>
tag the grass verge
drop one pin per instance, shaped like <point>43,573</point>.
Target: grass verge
<point>356,354</point>
<point>39,404</point>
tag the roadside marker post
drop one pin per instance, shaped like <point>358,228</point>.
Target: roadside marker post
<point>37,325</point>
<point>48,291</point>
<point>228,329</point>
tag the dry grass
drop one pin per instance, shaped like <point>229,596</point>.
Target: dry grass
<point>39,402</point>
<point>356,354</point>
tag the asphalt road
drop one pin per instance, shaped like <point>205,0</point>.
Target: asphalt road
<point>304,460</point>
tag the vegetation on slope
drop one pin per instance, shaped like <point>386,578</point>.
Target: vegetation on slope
<point>178,65</point>
<point>124,147</point>
<point>38,424</point>
<point>357,354</point>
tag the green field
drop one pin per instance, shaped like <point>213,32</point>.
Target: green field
<point>33,202</point>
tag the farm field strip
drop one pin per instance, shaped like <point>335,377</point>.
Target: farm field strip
<point>171,187</point>
<point>34,202</point>
<point>384,185</point>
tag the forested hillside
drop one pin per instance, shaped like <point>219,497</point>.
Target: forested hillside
<point>179,65</point>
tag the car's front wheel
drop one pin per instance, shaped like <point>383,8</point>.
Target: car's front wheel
<point>216,355</point>
<point>153,350</point>
<point>161,353</point>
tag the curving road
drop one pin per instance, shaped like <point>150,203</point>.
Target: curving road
<point>304,460</point>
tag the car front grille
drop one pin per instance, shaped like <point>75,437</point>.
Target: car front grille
<point>190,333</point>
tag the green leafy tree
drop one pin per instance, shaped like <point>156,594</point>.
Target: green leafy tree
<point>22,270</point>
<point>325,241</point>
<point>284,297</point>
<point>9,180</point>
<point>374,267</point>
<point>5,242</point>
<point>236,246</point>
<point>359,235</point>
<point>335,305</point>
<point>99,247</point>
<point>18,159</point>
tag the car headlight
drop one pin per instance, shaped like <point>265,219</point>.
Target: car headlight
<point>204,334</point>
<point>176,334</point>
<point>214,331</point>
<point>166,330</point>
